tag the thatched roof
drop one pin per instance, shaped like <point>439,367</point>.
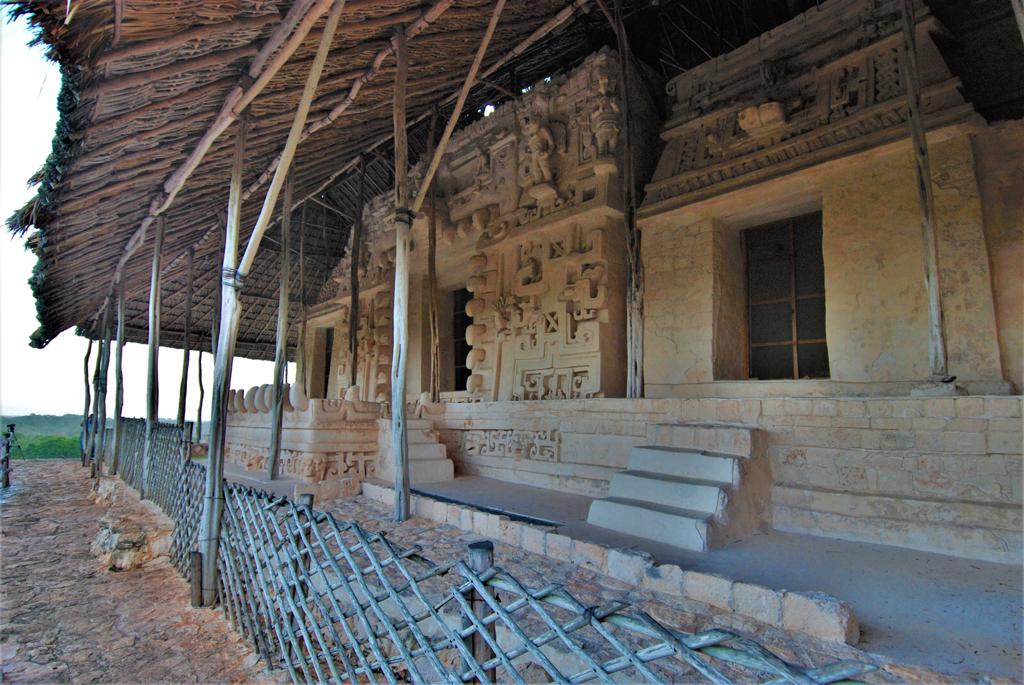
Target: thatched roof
<point>142,82</point>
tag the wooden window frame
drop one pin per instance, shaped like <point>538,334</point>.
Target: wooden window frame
<point>795,340</point>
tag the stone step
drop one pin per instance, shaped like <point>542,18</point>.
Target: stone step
<point>430,470</point>
<point>420,436</point>
<point>426,451</point>
<point>684,463</point>
<point>724,439</point>
<point>657,488</point>
<point>669,525</point>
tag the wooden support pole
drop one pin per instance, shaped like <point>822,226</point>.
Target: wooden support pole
<point>1018,12</point>
<point>202,396</point>
<point>187,343</point>
<point>481,558</point>
<point>403,224</point>
<point>101,392</point>
<point>634,259</point>
<point>93,435</point>
<point>281,347</point>
<point>152,373</point>
<point>213,495</point>
<point>233,280</point>
<point>300,364</point>
<point>195,561</point>
<point>115,458</point>
<point>435,161</point>
<point>88,404</point>
<point>938,370</point>
<point>356,256</point>
<point>435,333</point>
<point>292,143</point>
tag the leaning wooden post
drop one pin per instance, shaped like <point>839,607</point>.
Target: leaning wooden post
<point>281,347</point>
<point>187,342</point>
<point>101,391</point>
<point>84,442</point>
<point>403,224</point>
<point>300,370</point>
<point>213,496</point>
<point>152,372</point>
<point>213,502</point>
<point>353,310</point>
<point>938,370</point>
<point>115,458</point>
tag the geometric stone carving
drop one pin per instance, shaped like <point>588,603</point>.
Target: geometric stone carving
<point>764,109</point>
<point>540,445</point>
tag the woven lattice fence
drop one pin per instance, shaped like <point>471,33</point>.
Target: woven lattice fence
<point>133,437</point>
<point>329,601</point>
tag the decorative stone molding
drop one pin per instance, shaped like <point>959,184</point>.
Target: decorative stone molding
<point>322,440</point>
<point>765,109</point>
<point>541,445</point>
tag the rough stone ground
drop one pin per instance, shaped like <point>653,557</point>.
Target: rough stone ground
<point>65,618</point>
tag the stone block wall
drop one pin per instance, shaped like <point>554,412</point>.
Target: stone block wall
<point>941,475</point>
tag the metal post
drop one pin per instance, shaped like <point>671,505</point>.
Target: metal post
<point>152,376</point>
<point>481,558</point>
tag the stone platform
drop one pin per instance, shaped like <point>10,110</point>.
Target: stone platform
<point>905,600</point>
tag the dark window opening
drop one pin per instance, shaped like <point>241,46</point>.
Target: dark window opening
<point>328,353</point>
<point>786,299</point>
<point>460,348</point>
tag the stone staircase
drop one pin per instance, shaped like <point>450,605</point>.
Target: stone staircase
<point>428,458</point>
<point>695,486</point>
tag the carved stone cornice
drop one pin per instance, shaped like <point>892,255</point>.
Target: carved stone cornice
<point>824,85</point>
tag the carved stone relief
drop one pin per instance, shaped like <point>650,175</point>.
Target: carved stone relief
<point>539,308</point>
<point>751,113</point>
<point>540,445</point>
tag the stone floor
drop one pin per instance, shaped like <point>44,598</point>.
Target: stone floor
<point>906,600</point>
<point>66,619</point>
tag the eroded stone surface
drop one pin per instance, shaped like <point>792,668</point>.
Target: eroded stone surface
<point>66,618</point>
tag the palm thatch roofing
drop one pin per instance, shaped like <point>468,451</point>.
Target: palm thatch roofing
<point>144,80</point>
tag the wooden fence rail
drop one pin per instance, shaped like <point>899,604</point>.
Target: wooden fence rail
<point>329,601</point>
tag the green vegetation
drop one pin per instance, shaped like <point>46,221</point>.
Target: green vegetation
<point>43,436</point>
<point>46,447</point>
<point>68,425</point>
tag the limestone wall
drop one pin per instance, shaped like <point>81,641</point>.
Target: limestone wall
<point>876,308</point>
<point>935,474</point>
<point>999,160</point>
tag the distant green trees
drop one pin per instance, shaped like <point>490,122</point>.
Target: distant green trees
<point>46,447</point>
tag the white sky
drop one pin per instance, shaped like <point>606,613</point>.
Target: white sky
<point>49,381</point>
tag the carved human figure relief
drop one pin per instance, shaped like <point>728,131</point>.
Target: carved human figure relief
<point>604,117</point>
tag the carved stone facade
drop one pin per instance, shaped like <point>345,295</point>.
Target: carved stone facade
<point>535,189</point>
<point>766,109</point>
<point>542,308</point>
<point>322,440</point>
